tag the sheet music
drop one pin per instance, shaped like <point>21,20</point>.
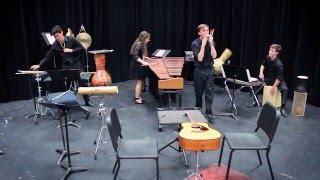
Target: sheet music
<point>160,53</point>
<point>50,38</point>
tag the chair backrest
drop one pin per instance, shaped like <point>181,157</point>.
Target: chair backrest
<point>268,120</point>
<point>114,127</point>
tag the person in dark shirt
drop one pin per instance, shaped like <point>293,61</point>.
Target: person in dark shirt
<point>66,49</point>
<point>271,72</point>
<point>139,52</point>
<point>204,52</point>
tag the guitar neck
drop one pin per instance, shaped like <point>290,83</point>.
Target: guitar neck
<point>191,119</point>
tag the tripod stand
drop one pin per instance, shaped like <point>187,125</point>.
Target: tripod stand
<point>233,106</point>
<point>233,74</point>
<point>38,110</point>
<point>102,113</point>
<point>65,139</point>
<point>196,175</point>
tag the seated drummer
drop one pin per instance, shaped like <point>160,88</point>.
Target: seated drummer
<point>67,50</point>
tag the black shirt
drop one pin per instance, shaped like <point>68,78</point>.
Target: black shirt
<point>273,69</point>
<point>207,61</point>
<point>66,58</point>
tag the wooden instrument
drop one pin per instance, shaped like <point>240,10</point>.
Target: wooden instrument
<point>166,73</point>
<point>198,136</point>
<point>101,77</point>
<point>98,90</point>
<point>274,99</point>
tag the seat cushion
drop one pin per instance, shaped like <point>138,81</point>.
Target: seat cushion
<point>245,141</point>
<point>67,97</point>
<point>136,149</point>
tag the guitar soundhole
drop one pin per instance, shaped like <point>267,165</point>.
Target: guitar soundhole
<point>195,126</point>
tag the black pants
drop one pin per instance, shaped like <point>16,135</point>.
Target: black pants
<point>204,83</point>
<point>283,88</point>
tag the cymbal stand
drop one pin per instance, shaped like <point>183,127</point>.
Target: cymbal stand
<point>87,66</point>
<point>38,108</point>
<point>100,138</point>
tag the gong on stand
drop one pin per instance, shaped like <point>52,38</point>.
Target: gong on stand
<point>85,39</point>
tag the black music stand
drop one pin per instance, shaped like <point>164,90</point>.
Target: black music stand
<point>65,138</point>
<point>67,76</point>
<point>236,73</point>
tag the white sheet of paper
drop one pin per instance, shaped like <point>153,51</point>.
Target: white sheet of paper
<point>50,38</point>
<point>160,53</point>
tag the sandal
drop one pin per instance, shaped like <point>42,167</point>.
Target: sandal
<point>138,101</point>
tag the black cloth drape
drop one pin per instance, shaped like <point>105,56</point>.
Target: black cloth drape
<point>246,27</point>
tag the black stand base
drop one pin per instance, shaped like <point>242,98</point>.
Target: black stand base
<point>71,124</point>
<point>231,115</point>
<point>234,112</point>
<point>1,153</point>
<point>64,153</point>
<point>71,169</point>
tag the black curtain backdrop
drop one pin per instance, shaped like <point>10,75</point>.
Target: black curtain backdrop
<point>247,27</point>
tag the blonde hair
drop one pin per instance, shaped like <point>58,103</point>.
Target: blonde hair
<point>201,26</point>
<point>277,47</point>
<point>141,39</point>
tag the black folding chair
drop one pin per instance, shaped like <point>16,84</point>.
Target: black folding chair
<point>267,124</point>
<point>129,148</point>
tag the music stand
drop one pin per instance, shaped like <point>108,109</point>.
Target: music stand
<point>69,75</point>
<point>48,38</point>
<point>161,53</point>
<point>65,75</point>
<point>236,73</point>
<point>64,109</point>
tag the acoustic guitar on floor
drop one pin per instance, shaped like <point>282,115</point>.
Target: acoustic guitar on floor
<point>198,136</point>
